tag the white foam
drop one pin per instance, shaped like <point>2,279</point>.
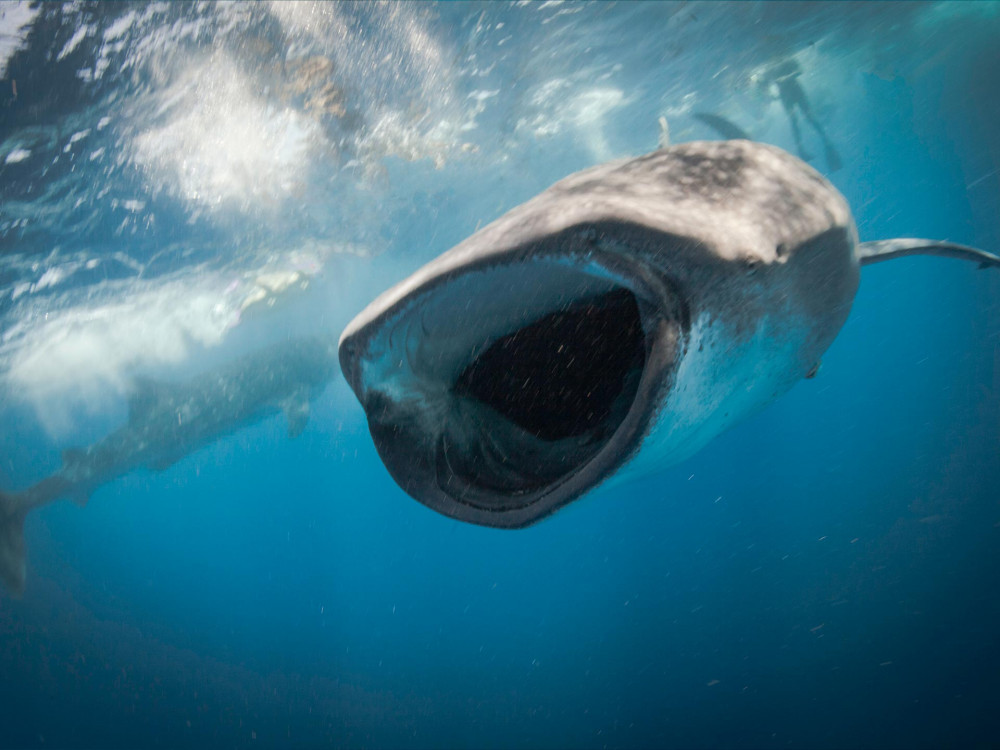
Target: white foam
<point>119,27</point>
<point>15,20</point>
<point>222,146</point>
<point>65,359</point>
<point>99,341</point>
<point>413,110</point>
<point>394,134</point>
<point>16,155</point>
<point>82,356</point>
<point>557,107</point>
<point>74,41</point>
<point>52,277</point>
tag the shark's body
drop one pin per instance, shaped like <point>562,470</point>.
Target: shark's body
<point>167,422</point>
<point>626,315</point>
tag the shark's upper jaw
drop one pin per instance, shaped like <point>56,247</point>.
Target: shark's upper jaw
<point>498,392</point>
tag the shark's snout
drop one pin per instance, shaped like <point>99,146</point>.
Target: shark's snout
<point>498,394</point>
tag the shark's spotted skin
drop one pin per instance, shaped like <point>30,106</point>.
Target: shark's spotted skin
<point>697,282</point>
<point>167,422</point>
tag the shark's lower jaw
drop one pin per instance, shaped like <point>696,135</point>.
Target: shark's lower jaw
<point>499,394</point>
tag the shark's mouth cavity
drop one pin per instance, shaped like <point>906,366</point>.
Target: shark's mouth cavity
<point>543,399</point>
<point>587,355</point>
<point>500,393</point>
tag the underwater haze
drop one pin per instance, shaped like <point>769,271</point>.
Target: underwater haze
<point>188,191</point>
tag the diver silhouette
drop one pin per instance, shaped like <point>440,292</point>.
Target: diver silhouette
<point>785,77</point>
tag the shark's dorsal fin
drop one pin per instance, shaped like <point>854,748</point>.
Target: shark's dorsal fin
<point>296,408</point>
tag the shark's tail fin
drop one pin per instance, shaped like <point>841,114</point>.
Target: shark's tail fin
<point>12,555</point>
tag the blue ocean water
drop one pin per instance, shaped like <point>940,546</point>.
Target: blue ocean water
<point>183,184</point>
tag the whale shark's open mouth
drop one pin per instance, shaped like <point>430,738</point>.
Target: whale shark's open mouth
<point>499,392</point>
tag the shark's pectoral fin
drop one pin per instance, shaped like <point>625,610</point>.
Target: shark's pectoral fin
<point>296,410</point>
<point>875,252</point>
<point>12,557</point>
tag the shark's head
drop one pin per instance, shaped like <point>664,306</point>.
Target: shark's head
<point>654,300</point>
<point>498,391</point>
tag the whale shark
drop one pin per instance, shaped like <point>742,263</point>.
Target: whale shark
<point>611,325</point>
<point>167,421</point>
